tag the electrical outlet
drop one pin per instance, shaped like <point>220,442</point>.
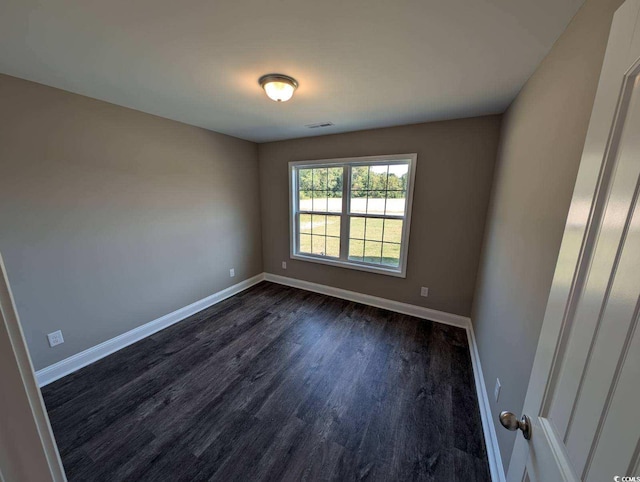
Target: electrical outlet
<point>55,338</point>
<point>232,272</point>
<point>424,291</point>
<point>284,265</point>
<point>496,390</point>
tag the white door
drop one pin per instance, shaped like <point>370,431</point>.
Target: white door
<point>583,398</point>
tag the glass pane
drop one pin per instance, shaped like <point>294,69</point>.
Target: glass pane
<point>356,249</point>
<point>333,247</point>
<point>334,204</point>
<point>392,230</point>
<point>333,226</point>
<point>357,228</point>
<point>398,174</point>
<point>374,229</point>
<point>305,223</point>
<point>391,254</point>
<point>320,201</point>
<point>359,177</point>
<point>304,201</point>
<point>396,201</point>
<point>359,202</point>
<point>320,179</point>
<point>375,202</point>
<point>318,225</point>
<point>304,179</point>
<point>318,244</point>
<point>372,251</point>
<point>378,177</point>
<point>305,243</point>
<point>334,180</point>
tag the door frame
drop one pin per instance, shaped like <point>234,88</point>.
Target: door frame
<point>583,223</point>
<point>29,450</point>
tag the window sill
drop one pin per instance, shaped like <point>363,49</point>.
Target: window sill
<point>350,265</point>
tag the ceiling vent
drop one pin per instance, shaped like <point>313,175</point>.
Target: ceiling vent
<point>319,124</point>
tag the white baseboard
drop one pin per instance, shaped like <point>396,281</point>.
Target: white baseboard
<point>488,427</point>
<point>95,353</point>
<point>397,306</point>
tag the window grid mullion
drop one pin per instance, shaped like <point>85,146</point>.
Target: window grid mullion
<point>386,194</point>
<point>296,209</point>
<point>326,213</point>
<point>373,216</point>
<point>384,222</point>
<point>325,234</point>
<point>297,232</point>
<point>366,210</point>
<point>344,216</point>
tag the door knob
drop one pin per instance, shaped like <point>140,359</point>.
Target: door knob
<point>511,422</point>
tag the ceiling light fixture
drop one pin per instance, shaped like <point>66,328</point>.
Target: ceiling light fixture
<point>278,87</point>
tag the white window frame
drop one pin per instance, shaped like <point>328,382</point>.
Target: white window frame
<point>343,261</point>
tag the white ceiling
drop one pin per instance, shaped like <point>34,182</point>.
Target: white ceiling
<point>360,63</point>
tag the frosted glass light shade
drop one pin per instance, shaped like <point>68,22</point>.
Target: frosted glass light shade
<point>278,87</point>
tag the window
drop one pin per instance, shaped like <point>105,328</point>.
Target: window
<point>353,213</point>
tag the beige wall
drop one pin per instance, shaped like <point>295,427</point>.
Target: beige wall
<point>111,218</point>
<point>542,137</point>
<point>453,181</point>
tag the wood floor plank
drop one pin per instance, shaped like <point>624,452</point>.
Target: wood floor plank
<point>276,383</point>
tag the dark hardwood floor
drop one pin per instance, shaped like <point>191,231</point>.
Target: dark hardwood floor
<point>276,384</point>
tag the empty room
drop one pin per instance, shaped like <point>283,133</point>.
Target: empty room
<point>289,240</point>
